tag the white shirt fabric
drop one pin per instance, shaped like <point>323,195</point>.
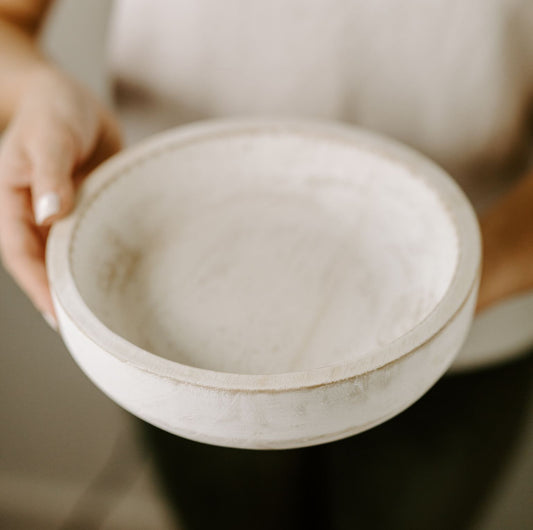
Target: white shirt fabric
<point>451,78</point>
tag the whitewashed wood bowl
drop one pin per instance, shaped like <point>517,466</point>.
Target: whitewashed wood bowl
<point>266,283</point>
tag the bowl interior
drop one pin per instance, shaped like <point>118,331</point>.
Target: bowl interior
<point>263,252</point>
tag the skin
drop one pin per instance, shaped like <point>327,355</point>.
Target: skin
<point>507,233</point>
<point>57,132</point>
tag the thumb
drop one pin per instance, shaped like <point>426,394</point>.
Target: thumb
<point>52,186</point>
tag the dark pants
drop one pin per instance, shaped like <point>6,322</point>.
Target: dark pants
<point>430,468</point>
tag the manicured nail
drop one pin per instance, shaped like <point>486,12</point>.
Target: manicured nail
<point>46,206</point>
<point>50,320</point>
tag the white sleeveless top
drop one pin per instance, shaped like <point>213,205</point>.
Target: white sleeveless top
<point>451,78</point>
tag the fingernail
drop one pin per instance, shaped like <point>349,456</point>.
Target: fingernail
<point>50,320</point>
<point>46,206</point>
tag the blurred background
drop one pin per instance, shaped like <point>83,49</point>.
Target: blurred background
<point>69,457</point>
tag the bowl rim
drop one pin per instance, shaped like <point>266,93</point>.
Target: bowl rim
<point>467,270</point>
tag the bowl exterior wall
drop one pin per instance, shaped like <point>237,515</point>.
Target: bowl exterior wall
<point>275,419</point>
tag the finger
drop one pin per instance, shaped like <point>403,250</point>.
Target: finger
<point>22,247</point>
<point>109,142</point>
<point>52,165</point>
<point>15,167</point>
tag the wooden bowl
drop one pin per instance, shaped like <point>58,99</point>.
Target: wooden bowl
<point>266,283</point>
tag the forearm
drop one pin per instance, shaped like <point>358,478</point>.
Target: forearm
<point>507,230</point>
<point>20,56</point>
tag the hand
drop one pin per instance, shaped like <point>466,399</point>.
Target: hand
<point>507,231</point>
<point>59,132</point>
